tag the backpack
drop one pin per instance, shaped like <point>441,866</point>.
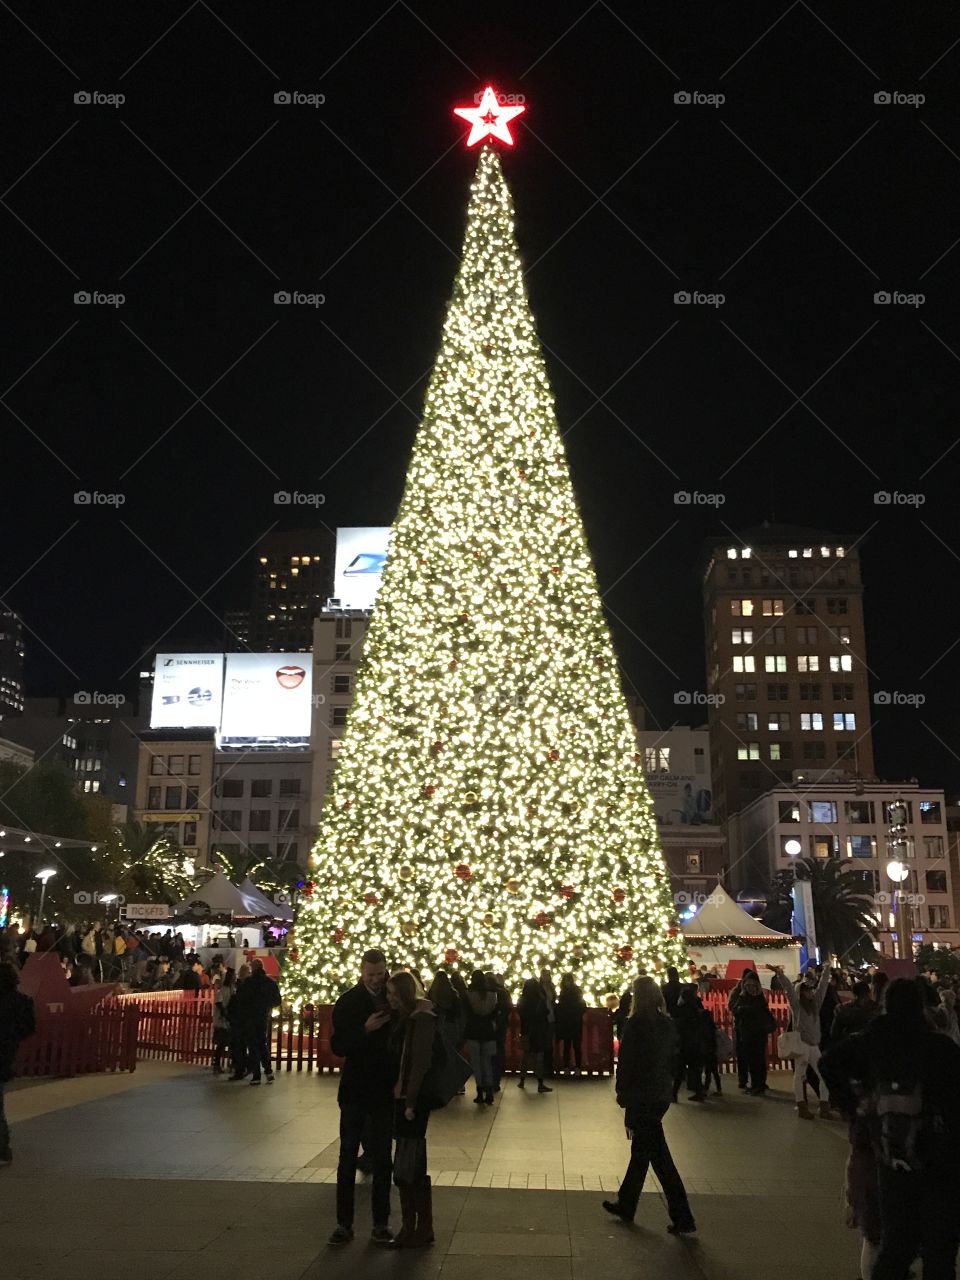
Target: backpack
<point>897,1123</point>
<point>446,1075</point>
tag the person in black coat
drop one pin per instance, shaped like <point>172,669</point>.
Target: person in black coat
<point>17,1021</point>
<point>535,1032</point>
<point>672,990</point>
<point>697,1033</point>
<point>361,1036</point>
<point>571,1007</point>
<point>753,1024</point>
<point>645,1074</point>
<point>256,997</point>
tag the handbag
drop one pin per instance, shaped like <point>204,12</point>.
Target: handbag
<point>789,1044</point>
<point>725,1050</point>
<point>446,1075</point>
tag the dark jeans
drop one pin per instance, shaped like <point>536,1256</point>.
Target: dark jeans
<point>499,1058</point>
<point>918,1213</point>
<point>374,1124</point>
<point>649,1147</point>
<point>575,1044</point>
<point>258,1050</point>
<point>752,1060</point>
<point>695,1073</point>
<point>221,1041</point>
<point>238,1051</point>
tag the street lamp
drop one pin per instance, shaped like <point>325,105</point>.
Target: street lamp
<point>43,877</point>
<point>792,847</point>
<point>898,848</point>
<point>897,872</point>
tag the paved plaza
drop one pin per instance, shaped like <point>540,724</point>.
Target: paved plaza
<point>172,1172</point>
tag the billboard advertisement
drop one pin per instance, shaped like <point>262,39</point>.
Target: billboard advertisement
<point>187,691</point>
<point>358,567</point>
<point>266,697</point>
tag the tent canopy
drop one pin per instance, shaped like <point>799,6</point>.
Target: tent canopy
<point>721,916</point>
<point>276,910</point>
<point>224,898</point>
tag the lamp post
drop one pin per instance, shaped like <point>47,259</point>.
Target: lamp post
<point>897,871</point>
<point>43,877</point>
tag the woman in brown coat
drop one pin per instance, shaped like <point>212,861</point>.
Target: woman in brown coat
<point>413,1037</point>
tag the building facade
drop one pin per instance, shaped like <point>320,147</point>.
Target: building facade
<point>338,637</point>
<point>175,787</point>
<point>824,816</point>
<point>260,804</point>
<point>786,661</point>
<point>12,693</point>
<point>292,581</point>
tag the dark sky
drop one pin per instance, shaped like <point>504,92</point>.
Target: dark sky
<point>798,198</point>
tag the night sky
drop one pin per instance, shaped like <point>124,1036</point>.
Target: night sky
<point>797,198</point>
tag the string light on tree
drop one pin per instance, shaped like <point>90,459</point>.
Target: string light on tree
<point>488,799</point>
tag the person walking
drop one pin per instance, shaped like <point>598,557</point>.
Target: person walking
<point>753,1023</point>
<point>903,1079</point>
<point>361,1036</point>
<point>697,1043</point>
<point>238,1034</point>
<point>258,996</point>
<point>550,996</point>
<point>535,1032</point>
<point>571,1007</point>
<point>17,1021</point>
<point>480,1034</point>
<point>413,1034</point>
<point>645,1072</point>
<point>805,1001</point>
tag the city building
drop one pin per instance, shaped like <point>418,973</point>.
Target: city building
<point>175,786</point>
<point>786,660</point>
<point>14,753</point>
<point>260,804</point>
<point>953,855</point>
<point>677,767</point>
<point>236,630</point>
<point>827,815</point>
<point>11,663</point>
<point>292,581</point>
<point>338,636</point>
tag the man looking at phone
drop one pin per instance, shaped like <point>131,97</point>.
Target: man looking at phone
<point>361,1036</point>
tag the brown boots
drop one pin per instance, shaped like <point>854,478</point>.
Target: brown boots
<point>416,1209</point>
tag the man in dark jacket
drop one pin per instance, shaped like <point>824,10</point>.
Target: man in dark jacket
<point>256,997</point>
<point>672,990</point>
<point>17,1021</point>
<point>361,1035</point>
<point>854,1016</point>
<point>904,1079</point>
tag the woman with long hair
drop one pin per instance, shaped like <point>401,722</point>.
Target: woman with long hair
<point>480,1031</point>
<point>536,1032</point>
<point>412,1036</point>
<point>221,1023</point>
<point>570,1010</point>
<point>649,1051</point>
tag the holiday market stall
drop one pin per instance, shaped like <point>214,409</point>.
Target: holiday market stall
<point>218,910</point>
<point>723,934</point>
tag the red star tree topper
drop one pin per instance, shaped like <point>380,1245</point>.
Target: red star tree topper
<point>489,119</point>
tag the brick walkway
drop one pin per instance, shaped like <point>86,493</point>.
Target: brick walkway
<point>183,1175</point>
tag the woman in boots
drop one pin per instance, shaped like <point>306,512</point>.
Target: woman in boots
<point>805,1002</point>
<point>536,1032</point>
<point>413,1037</point>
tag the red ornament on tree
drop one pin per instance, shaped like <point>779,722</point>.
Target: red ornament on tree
<point>625,954</point>
<point>542,919</point>
<point>451,955</point>
<point>293,954</point>
<point>463,872</point>
<point>553,754</point>
<point>337,935</point>
<point>618,895</point>
<point>438,746</point>
<point>371,899</point>
<point>429,792</point>
<point>567,891</point>
<point>672,931</point>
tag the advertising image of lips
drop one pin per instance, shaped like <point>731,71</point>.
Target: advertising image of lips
<point>290,677</point>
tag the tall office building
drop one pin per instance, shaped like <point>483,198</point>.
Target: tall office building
<point>292,580</point>
<point>786,661</point>
<point>11,663</point>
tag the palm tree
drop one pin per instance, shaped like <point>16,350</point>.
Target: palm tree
<point>144,864</point>
<point>844,912</point>
<point>271,875</point>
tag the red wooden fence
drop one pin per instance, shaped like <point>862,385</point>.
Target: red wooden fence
<point>716,1002</point>
<point>75,1043</point>
<point>175,1026</point>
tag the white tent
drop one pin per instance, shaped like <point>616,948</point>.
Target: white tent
<point>722,917</point>
<point>276,910</point>
<point>224,898</point>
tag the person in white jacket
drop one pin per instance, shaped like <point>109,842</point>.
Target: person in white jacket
<point>806,999</point>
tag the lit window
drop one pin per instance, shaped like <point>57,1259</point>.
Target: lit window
<point>841,552</point>
<point>741,664</point>
<point>825,552</point>
<point>844,721</point>
<point>842,634</point>
<point>807,662</point>
<point>746,553</point>
<point>842,663</point>
<point>792,553</point>
<point>731,553</point>
<point>775,662</point>
<point>741,608</point>
<point>808,553</point>
<point>810,720</point>
<point>823,811</point>
<point>747,720</point>
<point>748,751</point>
<point>742,636</point>
<point>772,608</point>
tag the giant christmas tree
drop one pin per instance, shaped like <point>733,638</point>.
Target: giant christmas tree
<point>489,806</point>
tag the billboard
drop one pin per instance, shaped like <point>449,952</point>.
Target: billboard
<point>266,697</point>
<point>187,691</point>
<point>358,567</point>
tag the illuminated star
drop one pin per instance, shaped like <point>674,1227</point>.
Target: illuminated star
<point>489,119</point>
